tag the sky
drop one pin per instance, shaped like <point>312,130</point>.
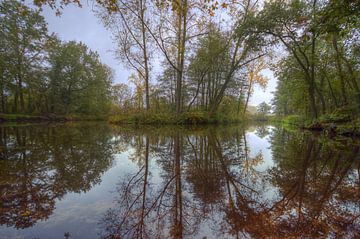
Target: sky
<point>81,24</point>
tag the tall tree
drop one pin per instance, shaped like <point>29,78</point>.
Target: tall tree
<point>129,25</point>
<point>23,32</point>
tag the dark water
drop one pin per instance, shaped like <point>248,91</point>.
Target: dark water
<point>96,181</point>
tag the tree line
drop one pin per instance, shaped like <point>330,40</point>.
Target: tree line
<point>205,66</point>
<point>320,73</point>
<point>213,54</point>
<point>41,74</point>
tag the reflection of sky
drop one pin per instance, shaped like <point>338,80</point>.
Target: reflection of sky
<point>257,145</point>
<point>78,213</point>
<point>262,145</point>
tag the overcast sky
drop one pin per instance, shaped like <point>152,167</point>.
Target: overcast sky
<point>81,24</point>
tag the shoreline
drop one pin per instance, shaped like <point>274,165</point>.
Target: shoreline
<point>24,118</point>
<point>347,129</point>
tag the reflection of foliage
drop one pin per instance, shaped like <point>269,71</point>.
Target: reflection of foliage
<point>41,164</point>
<point>313,178</point>
<point>262,131</point>
<point>180,203</point>
<point>207,177</point>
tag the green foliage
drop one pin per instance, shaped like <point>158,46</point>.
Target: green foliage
<point>320,74</point>
<point>79,83</point>
<point>188,118</point>
<point>334,118</point>
<point>49,117</point>
<point>194,118</point>
<point>263,108</point>
<point>41,75</point>
<point>294,120</point>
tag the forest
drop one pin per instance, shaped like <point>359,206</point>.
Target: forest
<point>211,55</point>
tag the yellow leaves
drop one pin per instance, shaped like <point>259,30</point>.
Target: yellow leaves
<point>255,73</point>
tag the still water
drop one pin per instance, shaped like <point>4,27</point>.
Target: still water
<point>92,180</point>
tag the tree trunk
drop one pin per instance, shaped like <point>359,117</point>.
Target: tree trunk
<point>248,96</point>
<point>339,69</point>
<point>145,54</point>
<point>313,108</point>
<point>178,213</point>
<point>182,21</point>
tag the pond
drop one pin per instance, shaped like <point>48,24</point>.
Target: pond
<point>93,180</point>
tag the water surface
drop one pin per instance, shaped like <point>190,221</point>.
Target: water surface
<point>92,180</point>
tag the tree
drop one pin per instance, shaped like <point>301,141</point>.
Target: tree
<point>23,32</point>
<point>263,109</point>
<point>132,37</point>
<point>207,68</point>
<point>79,83</point>
<point>244,45</point>
<point>121,94</point>
<point>255,77</point>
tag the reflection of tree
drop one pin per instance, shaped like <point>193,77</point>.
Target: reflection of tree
<point>134,200</point>
<point>41,164</point>
<point>203,170</point>
<point>207,177</point>
<point>156,212</point>
<point>312,176</point>
<point>262,131</point>
<point>192,175</point>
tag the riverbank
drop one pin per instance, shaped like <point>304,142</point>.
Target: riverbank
<point>332,124</point>
<point>47,118</point>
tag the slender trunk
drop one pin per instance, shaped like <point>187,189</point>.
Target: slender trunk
<point>331,90</point>
<point>339,68</point>
<point>2,96</point>
<point>145,54</point>
<point>313,108</point>
<point>178,223</point>
<point>322,100</point>
<point>182,24</point>
<point>16,100</point>
<point>22,102</point>
<point>312,86</point>
<point>179,69</point>
<point>239,100</point>
<point>143,208</point>
<point>248,96</point>
<point>197,91</point>
<point>354,80</point>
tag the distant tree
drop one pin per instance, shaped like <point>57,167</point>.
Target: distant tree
<point>121,94</point>
<point>263,109</point>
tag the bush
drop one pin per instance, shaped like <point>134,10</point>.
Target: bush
<point>295,120</point>
<point>335,118</point>
<point>194,118</point>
